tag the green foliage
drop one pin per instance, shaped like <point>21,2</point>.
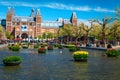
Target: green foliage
<point>12,59</point>
<point>8,35</point>
<point>25,46</point>
<point>60,47</point>
<point>80,55</point>
<point>9,47</point>
<point>12,37</point>
<point>56,45</point>
<point>44,35</point>
<point>36,46</point>
<point>72,47</point>
<point>2,31</point>
<point>112,53</point>
<point>50,35</point>
<point>15,48</point>
<point>114,30</point>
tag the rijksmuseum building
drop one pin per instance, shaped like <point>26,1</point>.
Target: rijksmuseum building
<point>33,25</point>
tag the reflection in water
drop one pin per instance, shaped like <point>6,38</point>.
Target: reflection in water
<point>11,68</point>
<point>56,66</point>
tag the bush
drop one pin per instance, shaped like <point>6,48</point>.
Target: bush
<point>44,44</point>
<point>41,50</point>
<point>9,47</point>
<point>10,59</point>
<point>25,46</point>
<point>36,46</point>
<point>112,53</point>
<point>60,47</point>
<point>72,47</point>
<point>80,55</point>
<point>56,45</point>
<point>16,48</point>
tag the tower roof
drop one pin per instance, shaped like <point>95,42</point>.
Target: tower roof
<point>32,13</point>
<point>11,10</point>
<point>38,12</point>
<point>74,15</point>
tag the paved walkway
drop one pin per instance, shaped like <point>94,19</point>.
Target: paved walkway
<point>101,48</point>
<point>95,48</point>
<point>2,45</point>
<point>117,47</point>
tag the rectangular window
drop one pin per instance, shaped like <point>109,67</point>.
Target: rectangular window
<point>18,23</point>
<point>38,25</point>
<point>8,24</point>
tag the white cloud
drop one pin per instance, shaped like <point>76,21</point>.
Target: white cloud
<point>56,6</point>
<point>99,9</point>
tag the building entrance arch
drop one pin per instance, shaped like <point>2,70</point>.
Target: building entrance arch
<point>24,36</point>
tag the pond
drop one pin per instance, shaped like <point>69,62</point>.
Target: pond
<point>55,65</point>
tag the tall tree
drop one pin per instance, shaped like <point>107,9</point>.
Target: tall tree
<point>44,36</point>
<point>50,35</point>
<point>8,35</point>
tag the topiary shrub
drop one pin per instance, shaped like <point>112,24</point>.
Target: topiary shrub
<point>56,45</point>
<point>15,48</point>
<point>25,46</point>
<point>12,60</point>
<point>36,46</point>
<point>112,53</point>
<point>41,50</point>
<point>72,48</point>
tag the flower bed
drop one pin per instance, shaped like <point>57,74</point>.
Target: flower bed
<point>12,60</point>
<point>50,47</point>
<point>41,50</point>
<point>112,53</point>
<point>80,55</point>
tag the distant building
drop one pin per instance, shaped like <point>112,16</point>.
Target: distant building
<point>72,21</point>
<point>33,26</point>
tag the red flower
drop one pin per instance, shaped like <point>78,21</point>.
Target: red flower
<point>41,49</point>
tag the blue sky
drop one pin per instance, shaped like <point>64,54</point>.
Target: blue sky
<point>53,9</point>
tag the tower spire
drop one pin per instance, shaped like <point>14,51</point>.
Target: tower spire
<point>38,12</point>
<point>74,15</point>
<point>9,10</point>
<point>32,13</point>
<point>73,19</point>
<point>13,11</point>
